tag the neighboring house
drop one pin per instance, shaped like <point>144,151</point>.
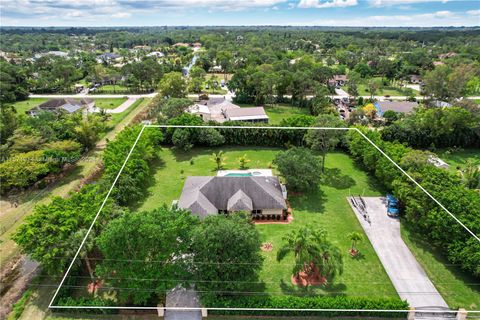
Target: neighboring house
<point>221,110</point>
<point>156,54</point>
<point>62,105</point>
<point>51,53</point>
<point>338,80</point>
<point>397,106</point>
<point>415,79</point>
<point>439,104</point>
<point>107,57</point>
<point>205,196</point>
<point>438,63</point>
<point>255,114</point>
<point>447,55</point>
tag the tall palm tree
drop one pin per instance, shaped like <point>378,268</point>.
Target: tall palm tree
<point>219,159</point>
<point>313,253</point>
<point>87,131</point>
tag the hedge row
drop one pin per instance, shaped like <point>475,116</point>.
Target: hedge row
<point>319,302</point>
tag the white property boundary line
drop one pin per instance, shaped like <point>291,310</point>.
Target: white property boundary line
<point>52,306</point>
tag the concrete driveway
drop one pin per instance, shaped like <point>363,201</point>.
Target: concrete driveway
<point>407,276</point>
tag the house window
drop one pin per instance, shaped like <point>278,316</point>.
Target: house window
<point>256,211</point>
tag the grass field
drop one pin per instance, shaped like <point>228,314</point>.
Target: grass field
<point>109,103</point>
<point>458,159</point>
<point>281,111</point>
<point>25,105</point>
<point>326,207</point>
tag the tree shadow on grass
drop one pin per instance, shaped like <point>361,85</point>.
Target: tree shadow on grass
<point>157,164</point>
<point>311,201</point>
<point>372,182</point>
<point>333,289</point>
<point>332,177</point>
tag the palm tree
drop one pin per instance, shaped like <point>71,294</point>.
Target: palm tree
<point>355,237</point>
<point>243,161</point>
<point>313,253</point>
<point>219,159</point>
<point>87,131</point>
<point>471,175</point>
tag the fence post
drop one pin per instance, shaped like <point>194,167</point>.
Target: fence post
<point>411,314</point>
<point>461,314</point>
<point>204,312</point>
<point>160,310</point>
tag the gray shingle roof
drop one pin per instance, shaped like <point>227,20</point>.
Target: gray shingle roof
<point>206,195</point>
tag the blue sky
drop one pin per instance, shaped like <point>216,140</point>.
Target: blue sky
<point>423,13</point>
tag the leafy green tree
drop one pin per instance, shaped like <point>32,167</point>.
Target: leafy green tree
<point>146,245</point>
<point>314,254</point>
<point>226,254</point>
<point>8,122</point>
<point>88,131</point>
<point>300,168</point>
<point>22,169</point>
<point>182,139</point>
<point>173,85</point>
<point>321,103</point>
<point>219,159</point>
<point>325,140</point>
<point>51,234</point>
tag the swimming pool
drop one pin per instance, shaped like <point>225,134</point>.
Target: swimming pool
<point>238,175</point>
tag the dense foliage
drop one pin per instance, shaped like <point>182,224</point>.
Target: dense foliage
<point>147,245</point>
<point>136,173</point>
<point>421,212</point>
<point>226,251</point>
<point>322,302</point>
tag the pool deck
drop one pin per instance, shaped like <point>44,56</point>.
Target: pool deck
<point>245,173</point>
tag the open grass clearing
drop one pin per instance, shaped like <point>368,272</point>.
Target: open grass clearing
<point>109,103</point>
<point>326,207</point>
<point>25,105</point>
<point>457,159</point>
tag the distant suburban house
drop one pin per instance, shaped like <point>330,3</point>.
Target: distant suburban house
<point>338,80</point>
<point>447,55</point>
<point>156,54</point>
<point>439,104</point>
<point>415,79</point>
<point>62,105</point>
<point>61,54</point>
<point>181,44</point>
<point>438,63</point>
<point>259,195</point>
<point>397,106</point>
<point>221,110</point>
<point>107,57</point>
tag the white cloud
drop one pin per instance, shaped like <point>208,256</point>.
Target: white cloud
<point>433,19</point>
<point>327,4</point>
<point>385,3</point>
<point>473,12</point>
<point>121,15</point>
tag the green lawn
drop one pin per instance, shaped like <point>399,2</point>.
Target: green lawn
<point>281,111</point>
<point>326,207</point>
<point>109,103</point>
<point>458,159</point>
<point>457,288</point>
<point>109,88</point>
<point>25,105</point>
<point>105,103</point>
<point>116,118</point>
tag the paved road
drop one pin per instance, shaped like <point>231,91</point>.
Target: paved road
<point>407,276</point>
<point>182,298</point>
